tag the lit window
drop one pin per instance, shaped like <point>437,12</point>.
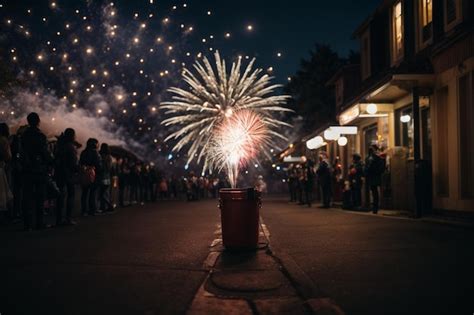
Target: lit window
<point>426,19</point>
<point>427,7</point>
<point>397,32</point>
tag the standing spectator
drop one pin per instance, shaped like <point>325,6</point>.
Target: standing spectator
<point>124,175</point>
<point>145,179</point>
<point>174,187</point>
<point>36,160</point>
<point>300,177</point>
<point>133,180</point>
<point>153,184</point>
<point>5,157</point>
<point>66,169</point>
<point>356,172</point>
<point>16,168</point>
<point>374,168</point>
<point>309,182</point>
<point>337,180</point>
<point>163,188</point>
<point>90,165</point>
<point>292,183</point>
<point>324,176</point>
<point>105,179</point>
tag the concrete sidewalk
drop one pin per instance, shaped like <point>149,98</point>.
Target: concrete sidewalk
<point>255,282</point>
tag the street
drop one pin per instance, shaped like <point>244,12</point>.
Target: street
<point>142,260</point>
<point>149,260</point>
<point>377,265</point>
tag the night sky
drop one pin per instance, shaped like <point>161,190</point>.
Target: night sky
<point>114,60</point>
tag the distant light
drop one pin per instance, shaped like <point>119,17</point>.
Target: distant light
<point>279,54</point>
<point>209,12</point>
<point>342,141</point>
<point>371,109</point>
<point>170,156</point>
<point>249,27</point>
<point>278,168</point>
<point>186,166</point>
<point>256,165</point>
<point>405,119</point>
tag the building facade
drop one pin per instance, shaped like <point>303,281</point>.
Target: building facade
<point>414,100</point>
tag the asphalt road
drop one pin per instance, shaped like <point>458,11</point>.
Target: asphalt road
<point>143,260</point>
<point>377,265</point>
<point>149,260</point>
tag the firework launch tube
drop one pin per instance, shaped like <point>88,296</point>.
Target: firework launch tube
<point>239,217</point>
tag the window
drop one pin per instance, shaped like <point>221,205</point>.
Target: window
<point>365,55</point>
<point>397,32</point>
<point>466,131</point>
<point>404,129</point>
<point>452,13</point>
<point>442,153</point>
<point>426,20</point>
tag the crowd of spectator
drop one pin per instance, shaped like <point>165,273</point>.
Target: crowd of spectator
<point>38,176</point>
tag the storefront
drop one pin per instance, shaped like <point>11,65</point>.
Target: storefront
<point>384,117</point>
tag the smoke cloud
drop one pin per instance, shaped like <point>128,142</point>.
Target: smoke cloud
<point>57,114</point>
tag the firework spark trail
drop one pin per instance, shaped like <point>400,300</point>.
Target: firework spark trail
<point>238,140</point>
<point>214,95</point>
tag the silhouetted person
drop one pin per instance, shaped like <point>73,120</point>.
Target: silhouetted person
<point>124,175</point>
<point>133,180</point>
<point>292,183</point>
<point>105,179</point>
<point>66,169</point>
<point>90,160</point>
<point>5,157</point>
<point>374,168</point>
<point>356,172</point>
<point>17,170</point>
<point>324,177</point>
<point>309,182</point>
<point>300,185</point>
<point>36,160</point>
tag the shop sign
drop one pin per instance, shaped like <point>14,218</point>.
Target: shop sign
<point>349,115</point>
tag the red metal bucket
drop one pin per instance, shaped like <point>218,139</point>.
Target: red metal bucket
<point>239,217</point>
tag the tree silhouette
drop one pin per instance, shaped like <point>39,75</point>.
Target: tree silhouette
<point>311,98</point>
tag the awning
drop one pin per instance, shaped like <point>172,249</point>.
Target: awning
<point>364,110</point>
<point>378,101</point>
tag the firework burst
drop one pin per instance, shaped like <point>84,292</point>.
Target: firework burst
<point>236,141</point>
<point>218,107</point>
